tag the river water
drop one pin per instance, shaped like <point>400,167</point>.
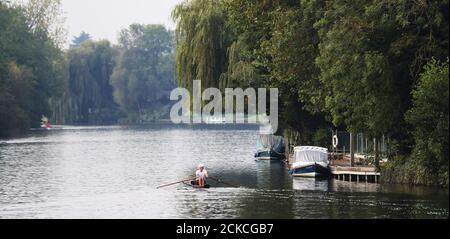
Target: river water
<point>113,172</point>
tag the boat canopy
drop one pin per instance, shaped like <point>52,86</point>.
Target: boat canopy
<point>271,142</point>
<point>309,154</point>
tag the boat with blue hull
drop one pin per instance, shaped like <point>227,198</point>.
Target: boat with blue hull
<point>270,147</point>
<point>313,170</point>
<point>310,161</point>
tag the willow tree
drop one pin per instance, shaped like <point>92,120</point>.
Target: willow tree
<point>202,39</point>
<point>89,89</point>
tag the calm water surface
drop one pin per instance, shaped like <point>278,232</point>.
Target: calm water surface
<point>113,172</point>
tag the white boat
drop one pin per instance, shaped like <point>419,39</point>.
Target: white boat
<point>310,161</point>
<point>215,120</point>
<point>270,147</point>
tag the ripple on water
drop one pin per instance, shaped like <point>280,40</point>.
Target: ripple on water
<point>113,172</point>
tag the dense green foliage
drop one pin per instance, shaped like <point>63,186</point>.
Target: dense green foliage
<point>30,72</point>
<point>202,42</point>
<point>345,64</point>
<point>144,75</point>
<point>429,118</point>
<point>88,98</point>
<point>128,83</point>
<point>91,83</point>
<point>376,67</point>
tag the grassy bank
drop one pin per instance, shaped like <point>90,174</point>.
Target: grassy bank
<point>406,170</point>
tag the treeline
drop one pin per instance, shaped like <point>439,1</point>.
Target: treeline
<point>93,82</point>
<point>374,67</point>
<point>127,83</point>
<point>30,64</point>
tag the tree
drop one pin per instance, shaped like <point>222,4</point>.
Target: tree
<point>144,75</point>
<point>356,75</point>
<point>202,42</point>
<point>30,71</point>
<point>45,17</point>
<point>429,118</point>
<point>89,90</point>
<point>77,41</point>
<point>276,46</point>
<point>369,53</point>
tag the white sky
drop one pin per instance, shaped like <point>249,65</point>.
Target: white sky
<point>103,19</point>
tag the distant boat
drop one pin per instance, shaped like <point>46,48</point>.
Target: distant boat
<point>45,123</point>
<point>270,147</point>
<point>310,161</point>
<point>215,120</point>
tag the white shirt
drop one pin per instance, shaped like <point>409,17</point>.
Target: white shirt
<point>201,174</point>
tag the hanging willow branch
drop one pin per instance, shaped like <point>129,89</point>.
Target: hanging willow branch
<point>202,39</point>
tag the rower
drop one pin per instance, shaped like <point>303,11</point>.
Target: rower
<point>201,175</point>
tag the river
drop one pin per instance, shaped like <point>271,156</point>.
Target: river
<point>113,172</point>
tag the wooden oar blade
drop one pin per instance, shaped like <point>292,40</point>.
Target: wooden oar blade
<point>170,184</point>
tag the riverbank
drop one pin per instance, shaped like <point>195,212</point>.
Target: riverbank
<point>404,170</point>
<point>399,171</point>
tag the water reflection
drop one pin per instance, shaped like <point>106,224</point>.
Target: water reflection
<point>113,172</point>
<point>344,186</point>
<point>310,184</point>
<point>272,175</point>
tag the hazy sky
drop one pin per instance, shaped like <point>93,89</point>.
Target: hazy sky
<point>103,19</point>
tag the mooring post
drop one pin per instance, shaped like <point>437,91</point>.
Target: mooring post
<point>376,154</point>
<point>352,150</point>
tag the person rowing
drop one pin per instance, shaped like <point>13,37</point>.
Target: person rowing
<point>201,175</point>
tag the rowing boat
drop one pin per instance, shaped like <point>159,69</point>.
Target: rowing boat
<point>195,185</point>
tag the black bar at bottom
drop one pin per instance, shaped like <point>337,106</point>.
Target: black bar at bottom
<point>242,229</point>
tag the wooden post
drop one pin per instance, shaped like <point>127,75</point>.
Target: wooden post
<point>376,154</point>
<point>367,145</point>
<point>352,149</point>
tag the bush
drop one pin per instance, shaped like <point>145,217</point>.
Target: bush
<point>429,118</point>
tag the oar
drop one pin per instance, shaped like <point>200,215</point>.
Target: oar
<point>170,184</point>
<point>220,181</point>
